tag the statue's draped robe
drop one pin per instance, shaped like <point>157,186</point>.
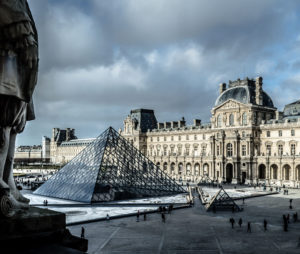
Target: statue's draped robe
<point>17,78</point>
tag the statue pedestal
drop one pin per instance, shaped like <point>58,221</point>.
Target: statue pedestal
<point>37,228</point>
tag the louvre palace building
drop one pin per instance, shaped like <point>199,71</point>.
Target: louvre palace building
<point>247,140</point>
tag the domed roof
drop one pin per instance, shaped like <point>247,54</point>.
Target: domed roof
<point>244,94</point>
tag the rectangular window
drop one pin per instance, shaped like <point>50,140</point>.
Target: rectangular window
<point>280,150</point>
<point>187,151</point>
<point>218,150</point>
<point>195,137</point>
<point>203,151</point>
<point>157,138</point>
<point>292,133</point>
<point>280,133</point>
<point>165,138</point>
<point>172,151</point>
<point>179,138</point>
<point>158,152</point>
<point>187,137</point>
<point>269,150</point>
<point>179,151</point>
<point>268,134</point>
<point>293,149</point>
<point>165,151</point>
<point>172,138</point>
<point>195,151</point>
<point>244,151</point>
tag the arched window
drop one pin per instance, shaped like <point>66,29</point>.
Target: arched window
<point>229,149</point>
<point>197,169</point>
<point>219,120</point>
<point>180,168</point>
<point>262,171</point>
<point>286,172</point>
<point>244,119</point>
<point>274,169</point>
<point>188,169</point>
<point>231,120</point>
<point>172,168</point>
<point>165,167</point>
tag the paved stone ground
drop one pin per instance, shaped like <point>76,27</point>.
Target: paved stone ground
<point>193,230</point>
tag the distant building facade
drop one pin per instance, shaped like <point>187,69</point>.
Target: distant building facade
<point>247,140</point>
<point>25,155</point>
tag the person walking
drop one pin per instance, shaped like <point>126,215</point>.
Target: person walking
<point>285,223</point>
<point>240,222</point>
<point>107,217</point>
<point>163,218</point>
<point>138,217</point>
<point>82,232</point>
<point>265,224</point>
<point>291,200</point>
<point>232,222</point>
<point>145,216</point>
<point>249,228</point>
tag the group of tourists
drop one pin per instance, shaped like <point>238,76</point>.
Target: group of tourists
<point>286,220</point>
<point>138,216</point>
<point>240,222</point>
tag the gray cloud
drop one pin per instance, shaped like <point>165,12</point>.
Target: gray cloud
<point>99,59</point>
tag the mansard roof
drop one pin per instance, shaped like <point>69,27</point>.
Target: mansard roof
<point>292,110</point>
<point>244,94</point>
<point>145,119</point>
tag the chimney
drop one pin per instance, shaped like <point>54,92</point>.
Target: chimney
<point>160,125</point>
<point>167,125</point>
<point>68,134</point>
<point>54,133</point>
<point>181,123</point>
<point>197,122</point>
<point>174,124</point>
<point>222,87</point>
<point>258,91</point>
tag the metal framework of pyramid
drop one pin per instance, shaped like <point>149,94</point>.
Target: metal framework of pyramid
<point>108,169</point>
<point>222,201</point>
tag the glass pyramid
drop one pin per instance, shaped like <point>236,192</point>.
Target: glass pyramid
<point>222,201</point>
<point>108,169</point>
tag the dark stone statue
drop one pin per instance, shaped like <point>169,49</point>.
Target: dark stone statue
<point>18,77</point>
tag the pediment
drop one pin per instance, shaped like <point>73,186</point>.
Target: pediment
<point>230,104</point>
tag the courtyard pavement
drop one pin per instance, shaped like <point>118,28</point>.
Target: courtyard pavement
<point>193,230</point>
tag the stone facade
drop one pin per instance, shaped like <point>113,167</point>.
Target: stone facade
<point>247,141</point>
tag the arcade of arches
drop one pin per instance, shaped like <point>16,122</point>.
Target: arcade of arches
<point>195,171</point>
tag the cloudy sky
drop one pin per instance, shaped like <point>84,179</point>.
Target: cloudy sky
<point>99,59</point>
